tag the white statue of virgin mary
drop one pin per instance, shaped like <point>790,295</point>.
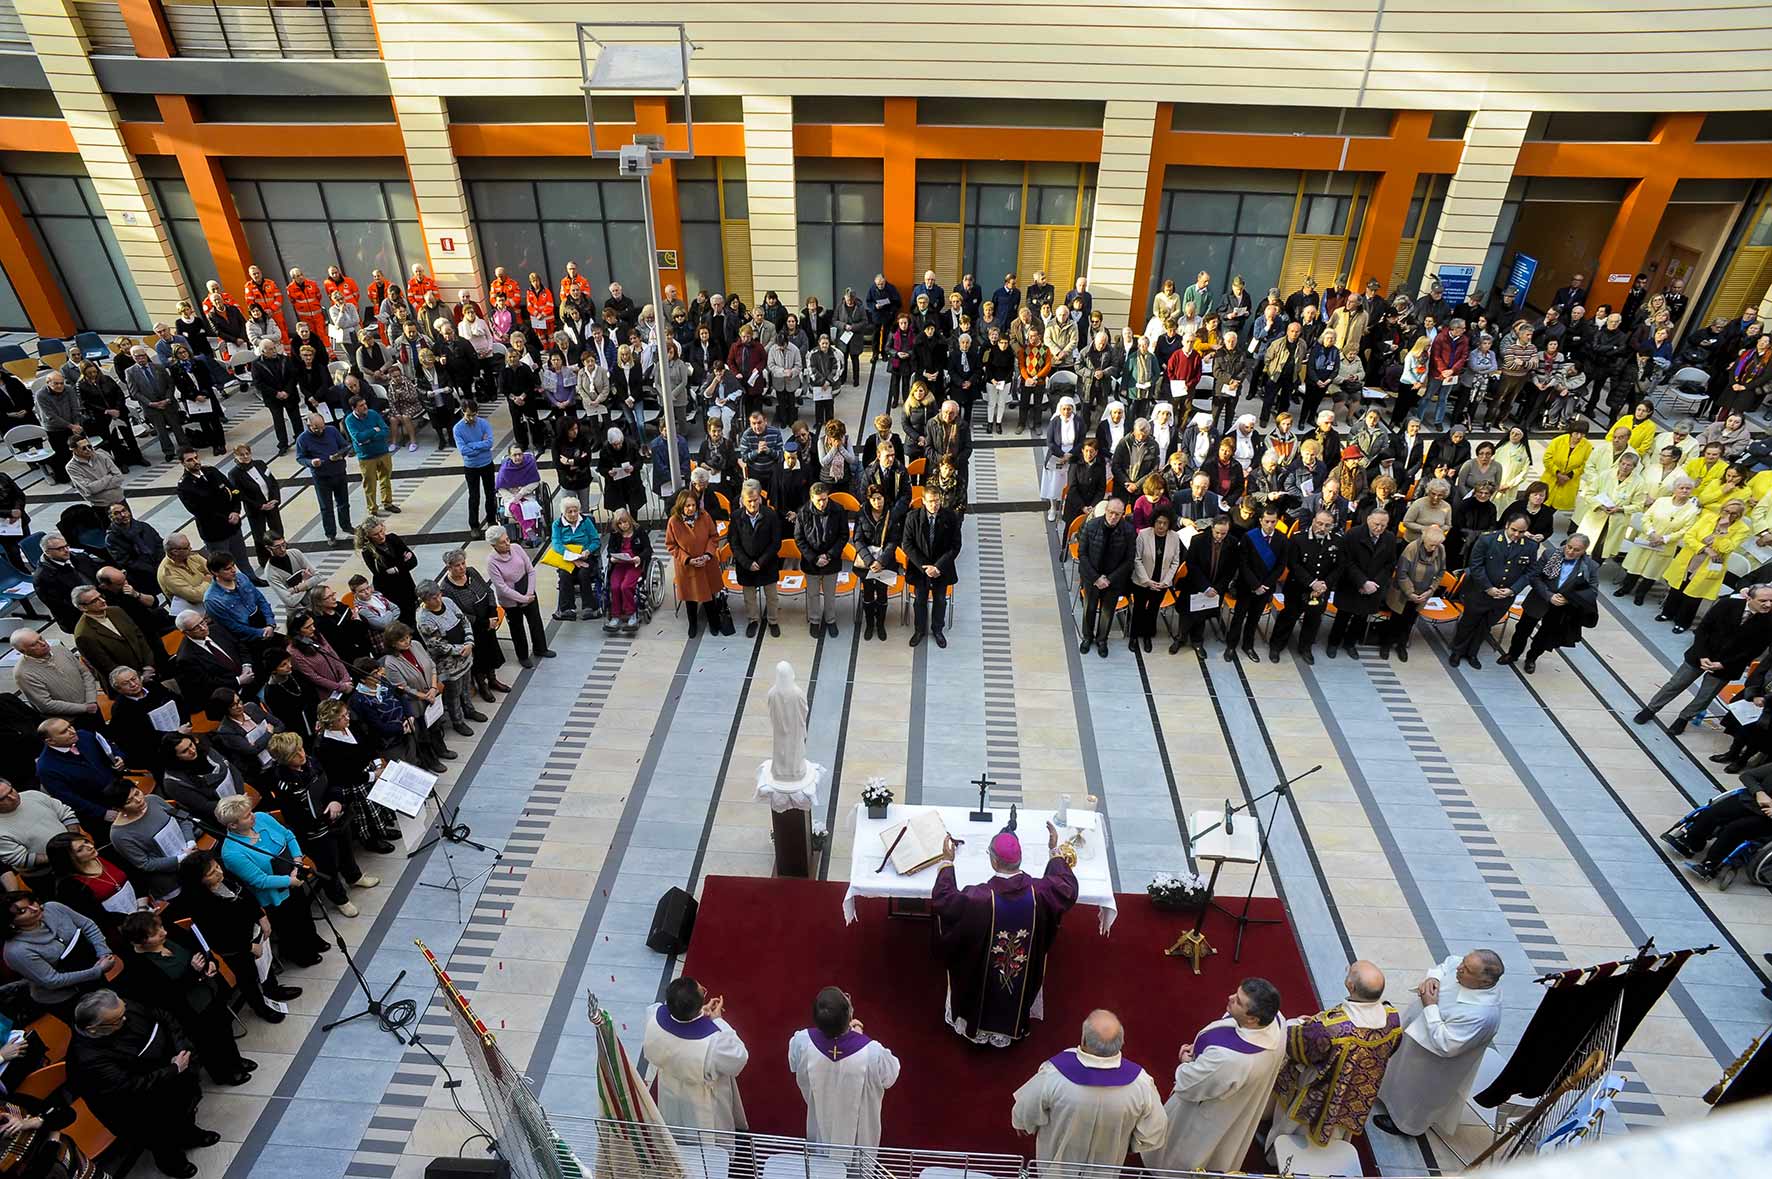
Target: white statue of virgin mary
<point>787,718</point>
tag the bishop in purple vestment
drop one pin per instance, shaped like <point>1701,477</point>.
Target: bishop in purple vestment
<point>996,935</point>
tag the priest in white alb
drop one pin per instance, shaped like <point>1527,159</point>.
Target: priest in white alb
<point>1446,1030</point>
<point>1088,1104</point>
<point>843,1075</point>
<point>1224,1083</point>
<point>698,1057</point>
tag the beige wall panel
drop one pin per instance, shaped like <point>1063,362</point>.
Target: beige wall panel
<point>769,188</point>
<point>1472,208</point>
<point>437,190</point>
<point>1119,207</point>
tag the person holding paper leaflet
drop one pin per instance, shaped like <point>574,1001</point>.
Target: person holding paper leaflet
<point>233,927</point>
<point>404,716</point>
<point>167,968</point>
<point>58,953</point>
<point>151,840</point>
<point>265,858</point>
<point>88,883</point>
<point>1734,633</point>
<point>1214,557</point>
<point>315,809</point>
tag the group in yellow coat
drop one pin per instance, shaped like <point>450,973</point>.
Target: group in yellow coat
<point>1610,495</point>
<point>1657,534</point>
<point>1564,460</point>
<point>1696,573</point>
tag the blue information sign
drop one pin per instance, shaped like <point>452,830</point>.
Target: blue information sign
<point>1519,275</point>
<point>1455,281</point>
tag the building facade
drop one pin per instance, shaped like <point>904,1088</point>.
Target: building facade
<point>148,146</point>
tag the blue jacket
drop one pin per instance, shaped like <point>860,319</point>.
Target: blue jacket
<point>585,535</point>
<point>369,434</point>
<point>250,863</point>
<point>474,441</point>
<point>661,459</point>
<point>383,715</point>
<point>82,778</point>
<point>315,451</point>
<point>235,608</point>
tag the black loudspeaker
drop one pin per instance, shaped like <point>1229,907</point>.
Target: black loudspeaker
<point>672,922</point>
<point>488,1168</point>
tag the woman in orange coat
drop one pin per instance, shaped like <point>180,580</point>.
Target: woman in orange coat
<point>694,544</point>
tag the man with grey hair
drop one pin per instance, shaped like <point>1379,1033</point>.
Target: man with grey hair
<point>1455,1014</point>
<point>62,568</point>
<point>106,637</point>
<point>183,575</point>
<point>150,386</point>
<point>1090,1105</point>
<point>53,680</point>
<point>137,1072</point>
<point>1562,599</point>
<point>96,477</point>
<point>1105,551</point>
<point>59,413</point>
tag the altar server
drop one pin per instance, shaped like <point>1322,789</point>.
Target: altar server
<point>843,1075</point>
<point>1224,1082</point>
<point>1089,1105</point>
<point>1455,1014</point>
<point>698,1057</point>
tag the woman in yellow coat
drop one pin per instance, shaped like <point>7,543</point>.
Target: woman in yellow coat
<point>1733,485</point>
<point>1696,573</point>
<point>1564,460</point>
<point>1708,465</point>
<point>1610,496</point>
<point>1642,428</point>
<point>1658,533</point>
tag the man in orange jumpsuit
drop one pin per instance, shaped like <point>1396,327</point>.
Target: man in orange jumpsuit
<point>305,298</point>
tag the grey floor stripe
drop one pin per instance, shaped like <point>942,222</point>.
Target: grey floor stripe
<point>1002,729</point>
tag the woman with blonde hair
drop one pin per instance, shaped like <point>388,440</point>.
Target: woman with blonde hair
<point>1667,519</point>
<point>1696,572</point>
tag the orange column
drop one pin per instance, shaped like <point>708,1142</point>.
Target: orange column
<point>1383,232</point>
<point>650,118</point>
<point>29,272</point>
<point>899,250</point>
<point>1627,245</point>
<point>209,191</point>
<point>146,22</point>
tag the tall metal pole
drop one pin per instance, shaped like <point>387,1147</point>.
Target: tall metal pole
<point>666,411</point>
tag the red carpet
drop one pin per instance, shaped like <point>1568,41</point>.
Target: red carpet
<point>769,945</point>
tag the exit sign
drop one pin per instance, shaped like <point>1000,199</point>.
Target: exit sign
<point>667,259</point>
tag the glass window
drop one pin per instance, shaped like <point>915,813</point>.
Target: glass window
<point>996,251</point>
<point>189,245</point>
<point>412,247</point>
<point>738,202</point>
<point>839,233</point>
<point>859,202</point>
<point>698,200</point>
<point>1258,260</point>
<point>175,200</point>
<point>1207,212</point>
<point>813,201</point>
<point>938,202</point>
<point>621,200</point>
<point>1052,204</point>
<point>514,245</point>
<point>365,245</point>
<point>246,201</point>
<point>359,199</point>
<point>997,204</point>
<point>400,202</point>
<point>263,247</point>
<point>12,312</point>
<point>56,194</point>
<point>1323,214</point>
<point>568,200</point>
<point>856,260</point>
<point>1266,213</point>
<point>704,259</point>
<point>815,248</point>
<point>512,199</point>
<point>291,198</point>
<point>81,256</point>
<point>627,260</point>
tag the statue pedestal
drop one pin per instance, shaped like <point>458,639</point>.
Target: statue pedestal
<point>792,804</point>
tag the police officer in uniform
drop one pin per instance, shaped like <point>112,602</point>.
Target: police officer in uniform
<point>1312,571</point>
<point>1500,566</point>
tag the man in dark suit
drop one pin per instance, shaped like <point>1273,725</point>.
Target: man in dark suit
<point>214,506</point>
<point>209,659</point>
<point>135,1067</point>
<point>1564,598</point>
<point>883,302</point>
<point>273,378</point>
<point>1105,548</point>
<point>1369,560</point>
<point>1500,567</point>
<point>260,494</point>
<point>62,570</point>
<point>1410,448</point>
<point>1261,561</point>
<point>143,609</point>
<point>932,546</point>
<point>1311,572</point>
<point>1213,562</point>
<point>965,372</point>
<point>1733,633</point>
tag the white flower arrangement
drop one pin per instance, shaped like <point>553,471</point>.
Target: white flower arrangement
<point>876,793</point>
<point>1176,889</point>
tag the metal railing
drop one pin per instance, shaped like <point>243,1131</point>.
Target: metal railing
<point>265,30</point>
<point>12,30</point>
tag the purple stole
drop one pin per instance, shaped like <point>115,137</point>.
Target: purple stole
<point>1225,1037</point>
<point>849,1043</point>
<point>1077,1073</point>
<point>696,1029</point>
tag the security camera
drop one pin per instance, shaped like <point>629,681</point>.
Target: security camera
<point>635,160</point>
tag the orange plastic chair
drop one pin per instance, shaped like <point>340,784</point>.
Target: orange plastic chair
<point>845,501</point>
<point>45,1080</point>
<point>916,467</point>
<point>916,496</point>
<point>1451,611</point>
<point>172,641</point>
<point>55,1034</point>
<point>790,582</point>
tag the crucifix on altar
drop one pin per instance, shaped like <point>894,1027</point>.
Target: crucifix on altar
<point>983,813</point>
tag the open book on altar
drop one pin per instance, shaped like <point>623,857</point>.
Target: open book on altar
<point>923,836</point>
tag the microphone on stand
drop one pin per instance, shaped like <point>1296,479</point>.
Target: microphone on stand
<point>1230,825</point>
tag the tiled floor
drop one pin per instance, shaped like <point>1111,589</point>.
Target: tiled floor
<point>1454,808</point>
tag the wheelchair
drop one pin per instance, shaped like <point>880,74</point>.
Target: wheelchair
<point>1751,859</point>
<point>539,531</point>
<point>648,595</point>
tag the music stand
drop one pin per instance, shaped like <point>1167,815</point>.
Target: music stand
<point>448,832</point>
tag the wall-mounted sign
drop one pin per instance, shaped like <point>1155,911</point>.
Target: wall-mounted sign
<point>446,245</point>
<point>1618,278</point>
<point>667,259</point>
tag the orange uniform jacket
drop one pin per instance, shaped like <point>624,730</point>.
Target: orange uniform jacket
<point>541,312</point>
<point>574,285</point>
<point>416,288</point>
<point>268,295</point>
<point>508,288</point>
<point>346,286</point>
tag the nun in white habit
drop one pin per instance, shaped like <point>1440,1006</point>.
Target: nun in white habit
<point>1064,440</point>
<point>1112,428</point>
<point>1163,431</point>
<point>1201,445</point>
<point>1247,440</point>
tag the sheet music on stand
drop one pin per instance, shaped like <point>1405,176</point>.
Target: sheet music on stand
<point>403,787</point>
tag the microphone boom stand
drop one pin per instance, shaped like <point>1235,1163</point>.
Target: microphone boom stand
<point>1193,945</point>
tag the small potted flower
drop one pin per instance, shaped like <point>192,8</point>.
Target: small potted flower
<point>876,796</point>
<point>1177,893</point>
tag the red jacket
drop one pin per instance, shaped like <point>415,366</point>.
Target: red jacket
<point>744,358</point>
<point>1184,366</point>
<point>1448,354</point>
